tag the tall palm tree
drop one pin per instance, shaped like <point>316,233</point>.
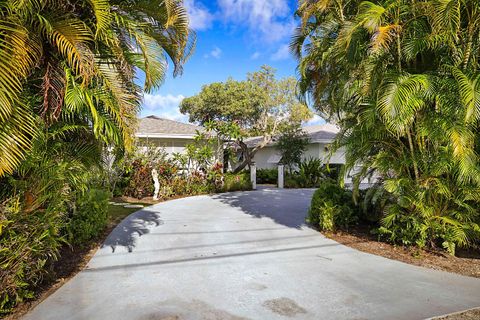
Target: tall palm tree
<point>76,61</point>
<point>401,78</point>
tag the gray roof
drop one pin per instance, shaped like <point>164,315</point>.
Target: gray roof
<point>316,134</point>
<point>321,132</point>
<point>153,125</point>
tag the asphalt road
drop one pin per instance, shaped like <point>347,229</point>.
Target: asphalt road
<point>246,255</point>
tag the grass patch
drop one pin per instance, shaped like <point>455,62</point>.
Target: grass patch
<point>117,213</point>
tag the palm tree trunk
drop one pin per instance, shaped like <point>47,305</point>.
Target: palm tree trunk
<point>412,152</point>
<point>468,49</point>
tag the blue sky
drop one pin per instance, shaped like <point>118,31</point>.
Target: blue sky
<point>233,37</point>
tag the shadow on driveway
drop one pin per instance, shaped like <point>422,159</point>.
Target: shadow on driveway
<point>287,207</point>
<point>214,257</point>
<point>134,226</point>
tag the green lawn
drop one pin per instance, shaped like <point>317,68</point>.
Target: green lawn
<point>118,213</point>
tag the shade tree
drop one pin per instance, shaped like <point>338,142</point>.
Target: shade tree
<point>261,105</point>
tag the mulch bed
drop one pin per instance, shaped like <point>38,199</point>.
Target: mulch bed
<point>467,315</point>
<point>466,262</point>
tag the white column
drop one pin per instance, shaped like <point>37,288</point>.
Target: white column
<point>156,183</point>
<point>253,176</point>
<point>280,175</point>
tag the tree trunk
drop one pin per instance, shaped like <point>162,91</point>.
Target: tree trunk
<point>412,152</point>
<point>247,157</point>
<point>249,154</point>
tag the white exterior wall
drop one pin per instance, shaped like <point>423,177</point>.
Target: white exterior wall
<point>314,150</point>
<point>171,145</point>
<point>262,156</point>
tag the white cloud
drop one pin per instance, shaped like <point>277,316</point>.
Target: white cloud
<point>163,106</point>
<point>282,53</point>
<point>200,17</point>
<point>215,53</point>
<point>255,55</point>
<point>272,19</point>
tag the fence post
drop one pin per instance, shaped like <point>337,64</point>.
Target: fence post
<point>253,176</point>
<point>280,176</point>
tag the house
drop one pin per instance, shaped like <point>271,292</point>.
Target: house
<point>168,134</point>
<point>173,136</point>
<point>320,137</point>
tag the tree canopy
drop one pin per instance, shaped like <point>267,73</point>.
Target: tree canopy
<point>292,143</point>
<point>401,78</point>
<point>260,106</point>
<point>74,61</point>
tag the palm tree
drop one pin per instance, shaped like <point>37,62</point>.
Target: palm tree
<point>76,61</point>
<point>401,78</point>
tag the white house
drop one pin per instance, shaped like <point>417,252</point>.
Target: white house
<point>173,136</point>
<point>320,139</point>
<point>168,134</point>
<point>320,136</point>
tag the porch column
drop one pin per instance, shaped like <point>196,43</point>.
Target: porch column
<point>280,176</point>
<point>253,176</point>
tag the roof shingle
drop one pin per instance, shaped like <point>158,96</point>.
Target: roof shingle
<point>318,133</point>
<point>157,125</point>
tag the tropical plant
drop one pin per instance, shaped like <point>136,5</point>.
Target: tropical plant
<point>310,172</point>
<point>137,170</point>
<point>29,241</point>
<point>332,207</point>
<point>88,217</point>
<point>35,203</point>
<point>292,144</point>
<point>67,91</point>
<point>76,60</point>
<point>401,80</point>
<point>236,182</point>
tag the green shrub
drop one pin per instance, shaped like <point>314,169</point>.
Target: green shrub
<point>427,215</point>
<point>372,202</point>
<point>310,174</point>
<point>195,184</point>
<point>267,176</point>
<point>89,216</point>
<point>140,184</point>
<point>332,207</point>
<point>29,242</point>
<point>332,171</point>
<point>293,181</point>
<point>237,182</point>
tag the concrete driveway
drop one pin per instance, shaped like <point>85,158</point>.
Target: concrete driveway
<point>246,256</point>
